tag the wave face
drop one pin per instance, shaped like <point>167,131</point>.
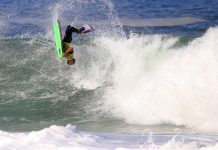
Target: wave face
<point>152,80</point>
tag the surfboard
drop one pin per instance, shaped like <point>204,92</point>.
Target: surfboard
<point>58,38</point>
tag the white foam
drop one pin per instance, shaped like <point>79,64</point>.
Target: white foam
<point>155,83</point>
<point>68,138</point>
<point>53,137</point>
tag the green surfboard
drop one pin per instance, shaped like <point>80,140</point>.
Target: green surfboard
<point>58,38</point>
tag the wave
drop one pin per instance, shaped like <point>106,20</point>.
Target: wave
<point>141,79</point>
<point>146,80</point>
<point>155,82</point>
<point>160,21</point>
<point>68,138</point>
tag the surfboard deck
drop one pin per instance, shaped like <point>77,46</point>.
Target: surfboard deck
<point>58,38</point>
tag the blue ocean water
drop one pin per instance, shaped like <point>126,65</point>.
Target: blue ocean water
<point>41,10</point>
<point>146,78</point>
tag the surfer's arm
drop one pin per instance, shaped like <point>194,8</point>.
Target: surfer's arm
<point>68,51</point>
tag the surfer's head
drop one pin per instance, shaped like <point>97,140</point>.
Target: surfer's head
<point>70,58</point>
<point>71,61</point>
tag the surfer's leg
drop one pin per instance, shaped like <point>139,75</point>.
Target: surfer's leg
<point>73,29</point>
<point>81,29</point>
<point>68,33</point>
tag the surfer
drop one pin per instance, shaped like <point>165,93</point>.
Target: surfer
<point>68,51</point>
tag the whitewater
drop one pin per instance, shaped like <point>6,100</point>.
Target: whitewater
<point>132,88</point>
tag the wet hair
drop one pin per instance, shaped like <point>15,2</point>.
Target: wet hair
<point>71,62</point>
<point>74,60</point>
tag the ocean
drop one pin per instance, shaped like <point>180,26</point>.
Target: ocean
<point>145,79</point>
